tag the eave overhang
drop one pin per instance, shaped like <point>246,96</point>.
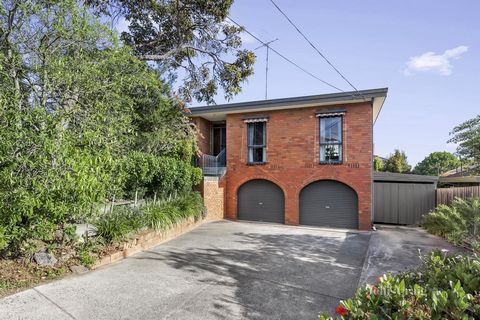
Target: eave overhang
<point>218,112</point>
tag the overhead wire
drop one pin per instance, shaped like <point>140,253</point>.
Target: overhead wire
<point>315,47</point>
<point>284,57</point>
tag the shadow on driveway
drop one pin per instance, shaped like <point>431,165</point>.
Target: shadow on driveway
<point>220,270</point>
<point>259,271</point>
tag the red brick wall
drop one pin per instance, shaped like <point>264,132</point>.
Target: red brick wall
<point>204,128</point>
<point>293,157</point>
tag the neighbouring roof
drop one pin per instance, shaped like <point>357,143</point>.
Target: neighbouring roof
<point>403,177</point>
<point>468,179</point>
<point>219,112</point>
<point>466,174</point>
<point>460,172</point>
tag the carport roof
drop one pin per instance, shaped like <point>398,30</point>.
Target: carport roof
<point>218,112</point>
<point>403,177</point>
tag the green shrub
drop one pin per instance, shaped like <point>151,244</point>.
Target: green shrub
<point>166,213</point>
<point>444,287</point>
<point>191,204</point>
<point>148,174</point>
<point>3,239</point>
<point>45,180</point>
<point>458,223</point>
<point>86,258</point>
<point>116,225</point>
<point>140,169</point>
<point>174,176</point>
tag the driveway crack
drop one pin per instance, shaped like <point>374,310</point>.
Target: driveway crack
<point>54,303</point>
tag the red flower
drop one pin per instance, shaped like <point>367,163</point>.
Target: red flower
<point>341,311</point>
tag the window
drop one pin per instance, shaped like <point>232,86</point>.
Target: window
<point>331,150</point>
<point>257,142</point>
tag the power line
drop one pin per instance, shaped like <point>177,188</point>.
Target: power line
<point>285,58</point>
<point>314,47</point>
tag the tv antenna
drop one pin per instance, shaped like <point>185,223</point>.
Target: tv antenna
<point>267,45</point>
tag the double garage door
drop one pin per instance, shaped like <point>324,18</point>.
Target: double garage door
<point>323,203</point>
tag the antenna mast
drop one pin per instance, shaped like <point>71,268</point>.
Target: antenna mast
<point>267,45</point>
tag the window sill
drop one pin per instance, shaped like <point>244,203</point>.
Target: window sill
<point>256,163</point>
<point>333,163</point>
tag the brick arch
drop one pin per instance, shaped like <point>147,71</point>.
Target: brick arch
<point>242,181</point>
<point>316,178</point>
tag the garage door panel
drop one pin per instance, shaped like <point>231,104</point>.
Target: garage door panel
<point>329,204</point>
<point>261,200</point>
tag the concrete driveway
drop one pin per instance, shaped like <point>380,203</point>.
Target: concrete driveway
<point>220,270</point>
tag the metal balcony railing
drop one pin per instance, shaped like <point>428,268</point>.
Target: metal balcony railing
<point>214,165</point>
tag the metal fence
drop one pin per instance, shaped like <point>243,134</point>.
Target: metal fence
<point>214,165</point>
<point>402,198</point>
<point>446,195</point>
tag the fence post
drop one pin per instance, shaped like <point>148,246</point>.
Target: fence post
<point>113,202</point>
<point>136,199</point>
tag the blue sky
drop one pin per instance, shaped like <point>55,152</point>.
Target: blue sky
<point>427,52</point>
<point>371,42</point>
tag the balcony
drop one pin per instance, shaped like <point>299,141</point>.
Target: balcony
<point>213,165</point>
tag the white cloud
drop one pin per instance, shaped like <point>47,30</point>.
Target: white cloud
<point>432,62</point>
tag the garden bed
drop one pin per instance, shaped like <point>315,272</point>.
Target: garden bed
<point>444,287</point>
<point>17,275</point>
<point>20,274</point>
<point>146,240</point>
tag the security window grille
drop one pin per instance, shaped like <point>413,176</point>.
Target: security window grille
<point>257,142</point>
<point>331,149</point>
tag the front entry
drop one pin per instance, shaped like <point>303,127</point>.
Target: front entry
<point>260,200</point>
<point>329,203</point>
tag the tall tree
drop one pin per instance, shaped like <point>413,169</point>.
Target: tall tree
<point>189,38</point>
<point>74,102</point>
<point>397,162</point>
<point>436,163</point>
<point>467,136</point>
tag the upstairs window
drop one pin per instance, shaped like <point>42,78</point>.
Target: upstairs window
<point>257,142</point>
<point>331,148</point>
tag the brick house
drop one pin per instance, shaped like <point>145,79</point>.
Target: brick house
<point>299,161</point>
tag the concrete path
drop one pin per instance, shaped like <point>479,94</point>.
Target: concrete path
<point>395,249</point>
<point>224,270</point>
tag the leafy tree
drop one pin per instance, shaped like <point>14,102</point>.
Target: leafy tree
<point>377,164</point>
<point>436,163</point>
<point>187,37</point>
<point>467,136</point>
<point>397,162</point>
